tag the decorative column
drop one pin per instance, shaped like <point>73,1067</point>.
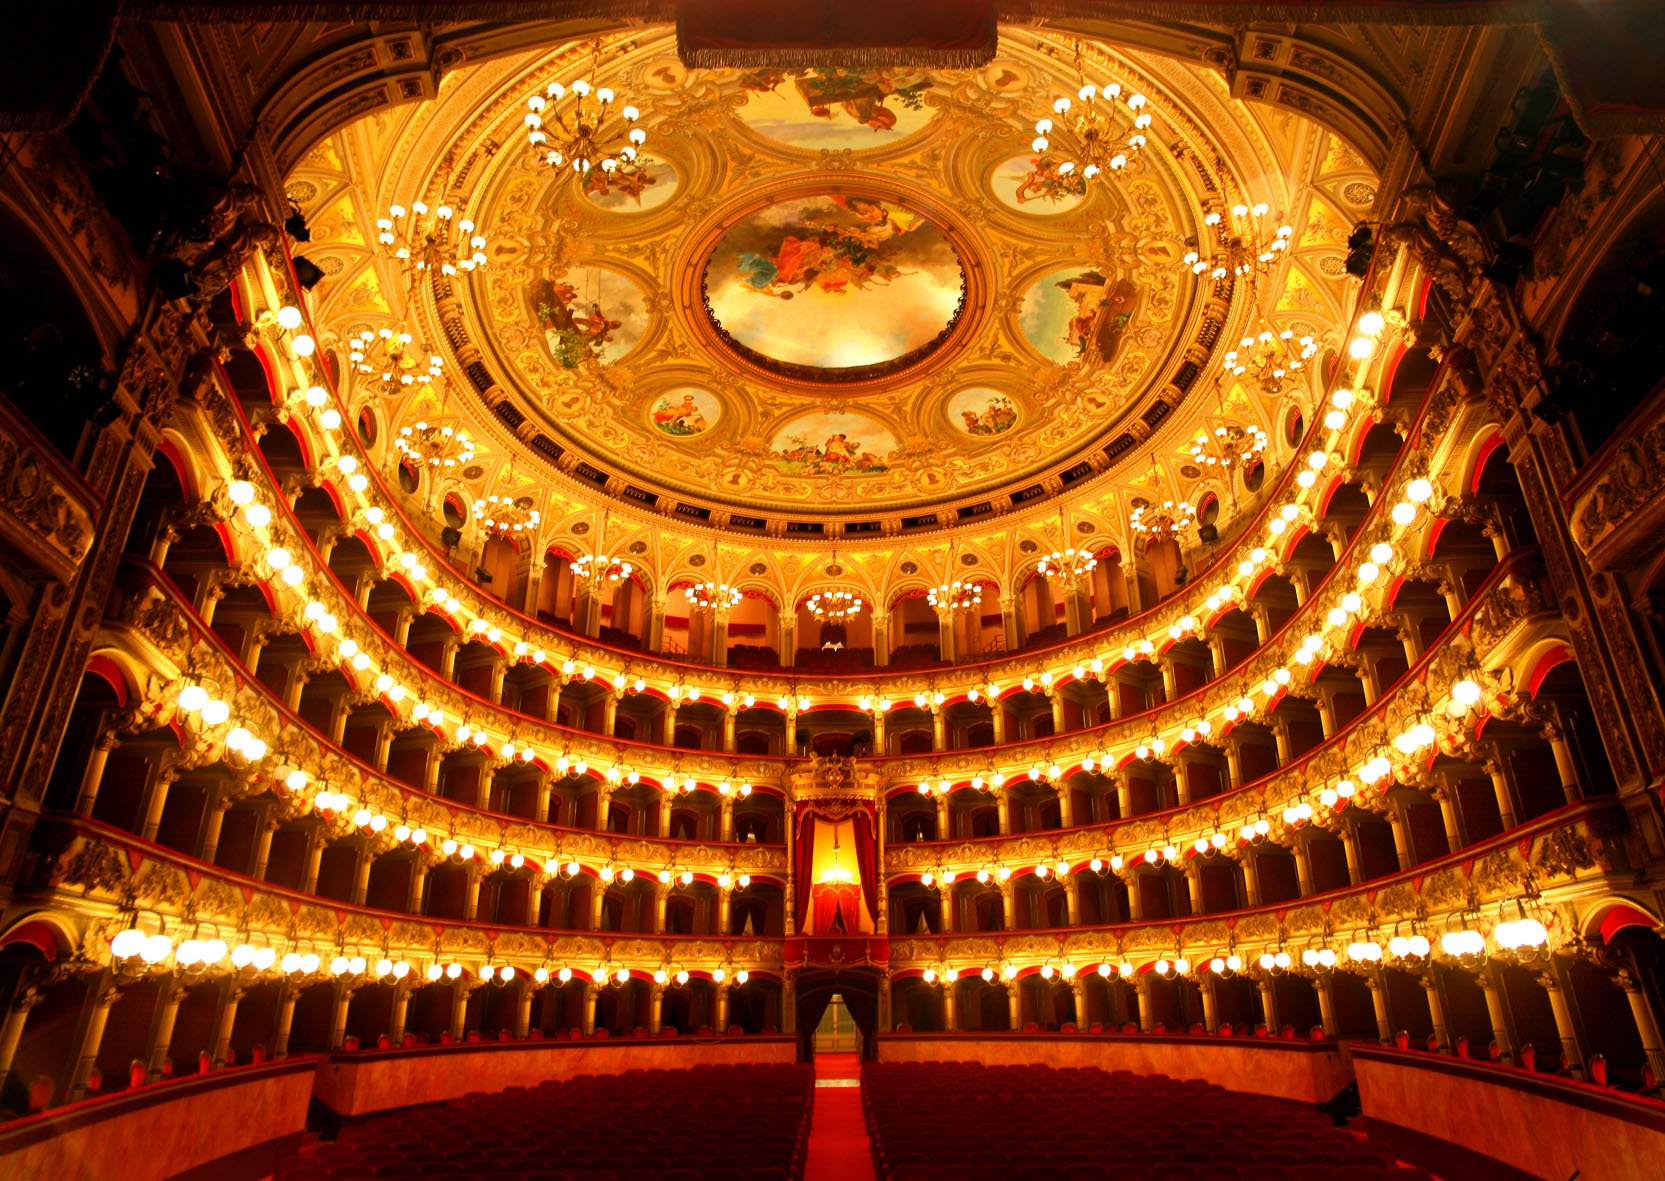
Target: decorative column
<point>948,991</point>
<point>1379,1002</point>
<point>1251,878</point>
<point>156,798</point>
<point>471,906</point>
<point>401,1009</point>
<point>459,1010</point>
<point>1303,864</point>
<point>789,1004</point>
<point>1436,1008</point>
<point>314,856</point>
<point>93,777</point>
<point>1135,905</point>
<point>947,896</point>
<point>656,1008</point>
<point>1401,835</point>
<point>100,997</point>
<point>161,1027</point>
<point>791,732</point>
<point>725,819</point>
<point>1269,1002</point>
<point>1008,905</point>
<point>1446,795</point>
<point>1211,1007</point>
<point>1193,887</point>
<point>731,718</point>
<point>1014,1001</point>
<point>1350,846</point>
<point>1009,624</point>
<point>1056,699</point>
<point>939,729</point>
<point>1572,1055</point>
<point>339,1000</point>
<point>1078,990</point>
<point>1072,900</point>
<point>1503,789</point>
<point>212,821</point>
<point>1326,1004</point>
<point>1646,1027</point>
<point>1141,994</point>
<point>1565,768</point>
<point>231,993</point>
<point>361,874</point>
<point>11,1033</point>
<point>418,878</point>
<point>721,1025</point>
<point>288,991</point>
<point>1003,806</point>
<point>1494,1011</point>
<point>523,1011</point>
<point>944,818</point>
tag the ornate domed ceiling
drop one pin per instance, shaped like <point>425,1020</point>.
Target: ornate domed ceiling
<point>834,293</point>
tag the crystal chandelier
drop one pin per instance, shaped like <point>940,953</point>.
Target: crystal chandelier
<point>1165,520</point>
<point>601,568</point>
<point>582,127</point>
<point>391,357</point>
<point>506,514</point>
<point>834,606</point>
<point>434,446</point>
<point>1228,447</point>
<point>950,597</point>
<point>1248,245</point>
<point>1068,566</point>
<point>1095,134</point>
<point>716,597</point>
<point>425,240</point>
<point>1269,357</point>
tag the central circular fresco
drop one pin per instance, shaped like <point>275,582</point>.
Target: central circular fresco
<point>834,286</point>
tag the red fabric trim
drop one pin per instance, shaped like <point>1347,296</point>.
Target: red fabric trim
<point>1560,655</point>
<point>1620,917</point>
<point>923,33</point>
<point>109,670</point>
<point>37,935</point>
<point>1491,444</point>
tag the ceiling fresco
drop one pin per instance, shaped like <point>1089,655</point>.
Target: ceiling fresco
<point>840,292</point>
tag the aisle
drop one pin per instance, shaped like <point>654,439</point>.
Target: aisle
<point>838,1149</point>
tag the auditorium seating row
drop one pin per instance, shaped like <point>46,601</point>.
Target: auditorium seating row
<point>705,1123</point>
<point>936,1121</point>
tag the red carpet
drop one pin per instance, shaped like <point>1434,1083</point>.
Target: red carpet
<point>838,1149</point>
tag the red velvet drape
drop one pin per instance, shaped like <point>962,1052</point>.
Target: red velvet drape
<point>867,862</point>
<point>851,34</point>
<point>804,867</point>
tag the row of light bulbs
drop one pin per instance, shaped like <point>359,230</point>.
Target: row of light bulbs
<point>1508,936</point>
<point>1403,513</point>
<point>1370,325</point>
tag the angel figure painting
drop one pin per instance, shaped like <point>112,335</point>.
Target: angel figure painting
<point>833,108</point>
<point>1033,185</point>
<point>833,445</point>
<point>834,282</point>
<point>588,314</point>
<point>1078,315</point>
